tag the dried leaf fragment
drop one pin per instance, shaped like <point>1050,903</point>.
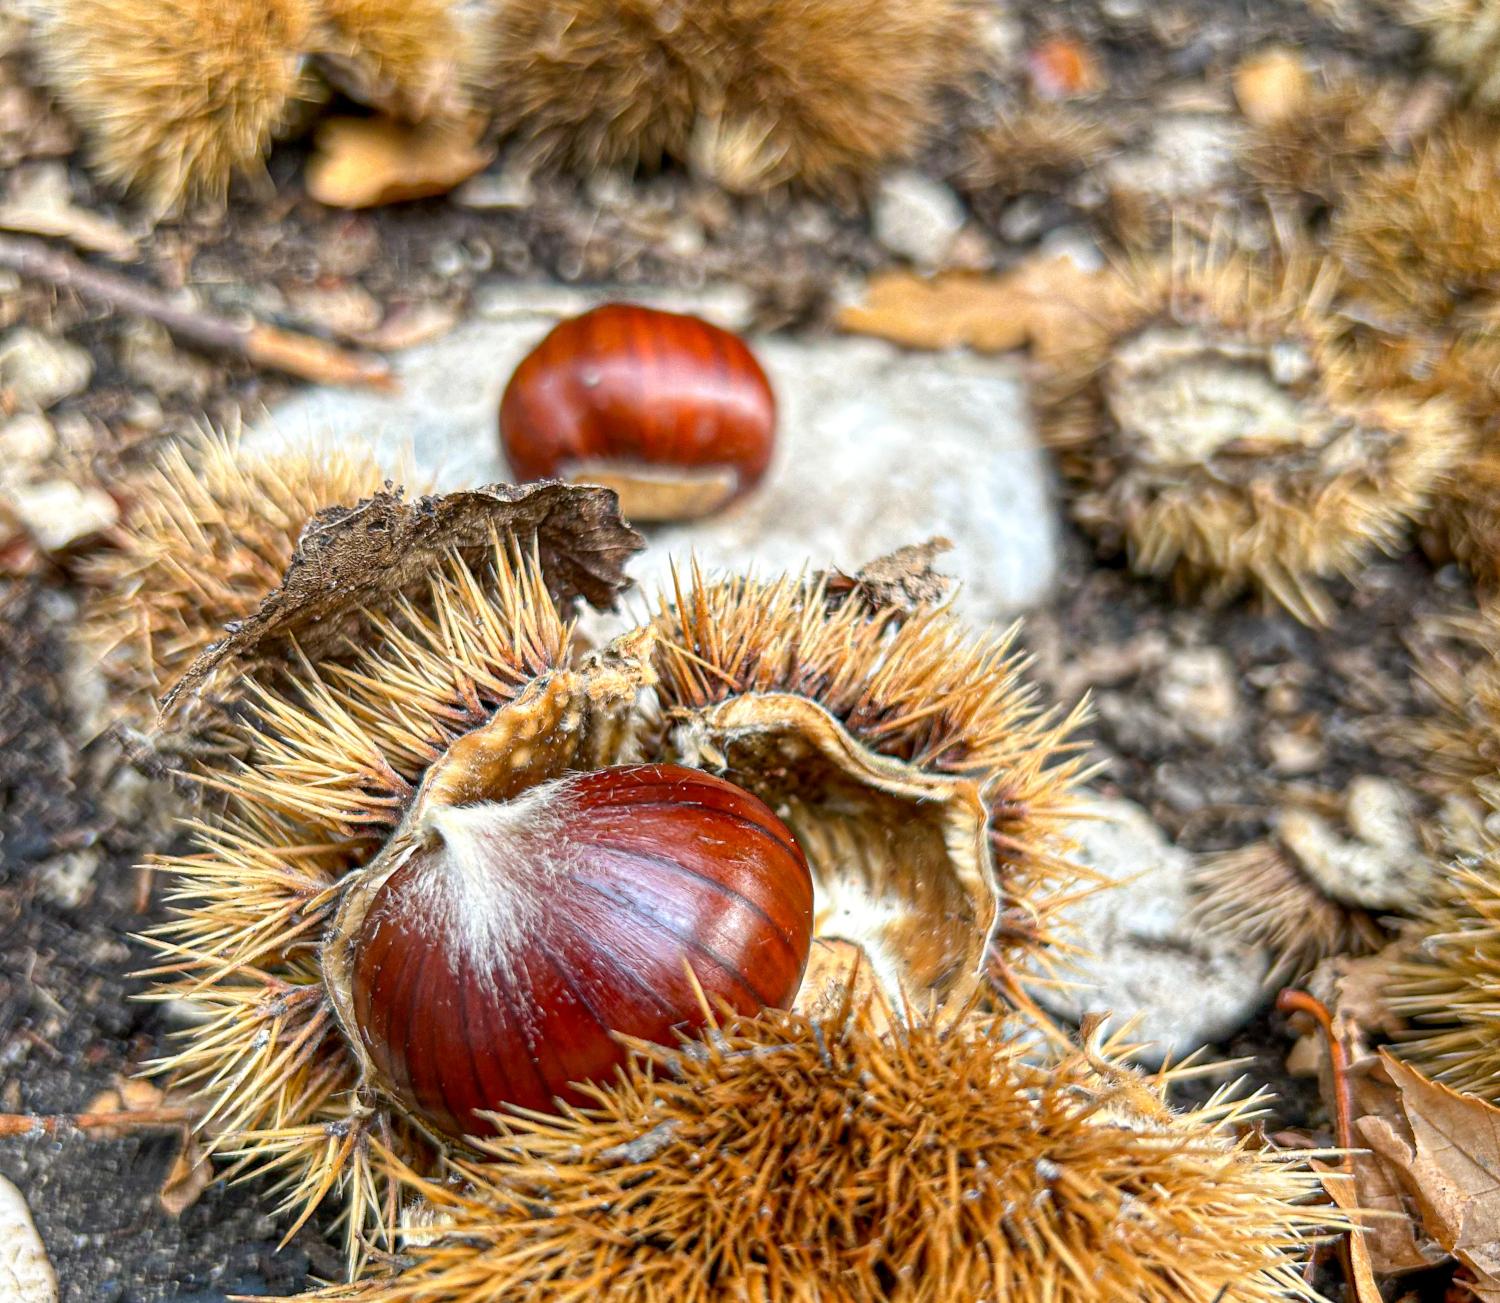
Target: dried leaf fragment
<point>366,162</point>
<point>1451,1169</point>
<point>1043,301</point>
<point>902,580</point>
<point>349,557</point>
<point>1343,1191</point>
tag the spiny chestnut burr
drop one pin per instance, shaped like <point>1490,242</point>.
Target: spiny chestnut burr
<point>671,412</point>
<point>502,947</point>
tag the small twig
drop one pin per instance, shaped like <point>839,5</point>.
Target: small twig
<point>266,346</point>
<point>1290,1001</point>
<point>1293,1001</point>
<point>31,1124</point>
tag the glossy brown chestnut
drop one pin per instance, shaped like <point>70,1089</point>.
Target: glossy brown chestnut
<point>671,412</point>
<point>494,964</point>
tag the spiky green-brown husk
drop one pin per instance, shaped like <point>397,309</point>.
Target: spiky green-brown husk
<point>791,1159</point>
<point>754,93</point>
<point>207,534</point>
<point>412,58</point>
<point>335,750</point>
<point>1036,147</point>
<point>1216,426</point>
<point>1463,36</point>
<point>176,97</point>
<point>1336,134</point>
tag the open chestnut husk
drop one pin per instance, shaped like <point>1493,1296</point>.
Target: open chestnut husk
<point>494,953</point>
<point>673,413</point>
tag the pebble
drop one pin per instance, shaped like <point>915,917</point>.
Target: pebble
<point>26,440</point>
<point>150,358</point>
<point>917,218</point>
<point>39,371</point>
<point>59,513</point>
<point>26,1274</point>
<point>878,448</point>
<point>1145,957</point>
<point>1198,689</point>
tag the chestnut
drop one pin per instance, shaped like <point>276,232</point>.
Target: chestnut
<point>671,412</point>
<point>498,949</point>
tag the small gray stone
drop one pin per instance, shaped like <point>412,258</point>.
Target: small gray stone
<point>878,448</point>
<point>1197,689</point>
<point>916,217</point>
<point>39,371</point>
<point>58,513</point>
<point>1145,957</point>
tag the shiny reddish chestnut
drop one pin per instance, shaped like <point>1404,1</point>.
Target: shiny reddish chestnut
<point>493,966</point>
<point>672,413</point>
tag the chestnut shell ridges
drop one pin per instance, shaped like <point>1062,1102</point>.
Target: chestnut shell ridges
<point>645,391</point>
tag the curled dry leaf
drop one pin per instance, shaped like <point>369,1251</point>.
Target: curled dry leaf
<point>349,557</point>
<point>191,1171</point>
<point>1389,1236</point>
<point>1043,302</point>
<point>902,580</point>
<point>366,162</point>
<point>1344,1191</point>
<point>1447,1159</point>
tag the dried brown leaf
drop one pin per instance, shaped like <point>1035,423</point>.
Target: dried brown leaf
<point>1042,302</point>
<point>191,1173</point>
<point>349,557</point>
<point>902,580</point>
<point>1450,1167</point>
<point>1389,1238</point>
<point>1344,1192</point>
<point>365,162</point>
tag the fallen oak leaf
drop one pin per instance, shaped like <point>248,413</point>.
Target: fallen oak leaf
<point>1390,1236</point>
<point>1450,1167</point>
<point>191,1173</point>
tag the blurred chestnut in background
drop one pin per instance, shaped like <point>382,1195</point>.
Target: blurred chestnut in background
<point>504,943</point>
<point>671,412</point>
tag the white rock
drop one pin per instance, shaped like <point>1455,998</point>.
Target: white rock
<point>916,217</point>
<point>58,513</point>
<point>1186,154</point>
<point>26,1274</point>
<point>1197,688</point>
<point>25,440</point>
<point>878,448</point>
<point>1146,956</point>
<point>39,371</point>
